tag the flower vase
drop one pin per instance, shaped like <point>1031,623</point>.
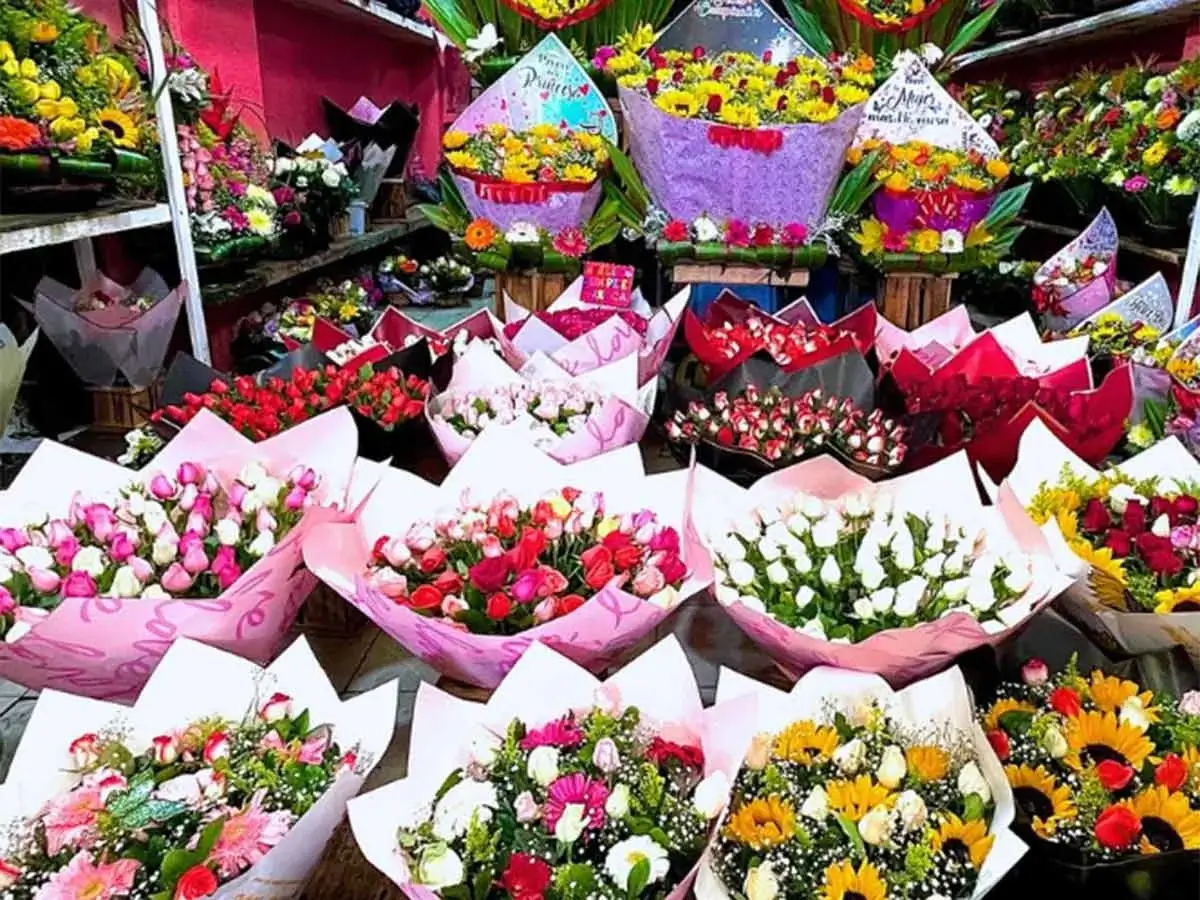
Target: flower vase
<point>1164,217</point>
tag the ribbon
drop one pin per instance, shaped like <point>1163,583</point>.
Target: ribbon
<point>757,140</point>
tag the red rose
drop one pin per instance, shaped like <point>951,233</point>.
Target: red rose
<point>675,231</point>
<point>599,575</point>
<point>999,741</point>
<point>569,604</point>
<point>1117,828</point>
<point>1113,775</point>
<point>499,606</point>
<point>660,751</point>
<point>1066,702</point>
<point>1165,564</point>
<point>763,236</point>
<point>529,548</point>
<point>526,877</point>
<point>1134,518</point>
<point>1185,505</point>
<point>1095,517</point>
<point>627,557</point>
<point>673,568</point>
<point>448,582</point>
<point>489,574</point>
<point>1159,506</point>
<point>1151,544</point>
<point>1171,773</point>
<point>1118,542</point>
<point>196,882</point>
<point>425,597</point>
<point>432,560</point>
<point>594,556</point>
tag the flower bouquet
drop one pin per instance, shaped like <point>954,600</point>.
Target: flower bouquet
<point>320,190</point>
<point>107,331</point>
<point>580,337</point>
<point>569,419</point>
<point>821,567</point>
<point>205,544</point>
<point>1106,778</point>
<point>351,305</point>
<point>1080,278</point>
<point>398,279</point>
<point>1127,529</point>
<point>851,789</point>
<point>228,785</point>
<point>585,558</point>
<point>447,279</point>
<point>606,789</point>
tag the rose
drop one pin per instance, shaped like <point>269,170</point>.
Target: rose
<point>1115,776</point>
<point>196,882</point>
<point>499,606</point>
<point>1119,543</point>
<point>1095,516</point>
<point>490,573</point>
<point>1171,773</point>
<point>425,597</point>
<point>1117,828</point>
<point>1035,672</point>
<point>1000,744</point>
<point>1066,702</point>
<point>278,707</point>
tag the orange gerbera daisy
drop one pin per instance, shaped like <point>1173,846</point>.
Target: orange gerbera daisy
<point>480,235</point>
<point>18,134</point>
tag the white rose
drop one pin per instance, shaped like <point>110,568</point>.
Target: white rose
<point>955,563</point>
<point>813,628</point>
<point>912,811</point>
<point>769,549</point>
<point>849,757</point>
<point>262,544</point>
<point>872,575</point>
<point>804,596</point>
<point>465,801</point>
<point>883,600</point>
<point>706,230</point>
<point>164,551</point>
<point>710,795</point>
<point>90,560</point>
<point>932,567</point>
<point>909,596</point>
<point>228,532</point>
<point>1020,575</point>
<point>798,524</point>
<point>1054,743</point>
<point>777,573</point>
<point>154,517</point>
<point>741,574</point>
<point>778,533</point>
<point>875,828</point>
<point>125,583</point>
<point>980,594</point>
<point>543,765</point>
<point>971,781</point>
<point>863,609</point>
<point>283,165</point>
<point>816,805</point>
<point>1133,713</point>
<point>800,559</point>
<point>726,595</point>
<point>731,549</point>
<point>761,883</point>
<point>747,527</point>
<point>1161,527</point>
<point>892,767</point>
<point>36,557</point>
<point>1119,497</point>
<point>439,867</point>
<point>571,823</point>
<point>252,473</point>
<point>617,804</point>
<point>825,533</point>
<point>903,550</point>
<point>831,573</point>
<point>483,749</point>
<point>956,590</point>
<point>814,507</point>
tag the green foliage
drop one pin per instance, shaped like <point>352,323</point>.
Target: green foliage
<point>968,34</point>
<point>809,27</point>
<point>855,187</point>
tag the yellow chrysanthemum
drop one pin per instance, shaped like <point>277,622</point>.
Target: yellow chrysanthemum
<point>854,799</point>
<point>496,129</point>
<point>970,183</point>
<point>545,130</point>
<point>589,142</point>
<point>625,61</point>
<point>463,161</point>
<point>1109,693</point>
<point>453,140</point>
<point>761,823</point>
<point>927,762</point>
<point>1184,599</point>
<point>579,174</point>
<point>844,882</point>
<point>1184,370</point>
<point>806,742</point>
<point>817,111</point>
<point>850,94</point>
<point>969,839</point>
<point>869,236</point>
<point>1040,797</point>
<point>1155,154</point>
<point>1168,821</point>
<point>1094,737</point>
<point>926,241</point>
<point>516,174</point>
<point>512,145</point>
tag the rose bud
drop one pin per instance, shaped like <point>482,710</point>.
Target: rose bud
<point>9,874</point>
<point>855,441</point>
<point>216,747</point>
<point>1035,672</point>
<point>278,707</point>
<point>165,749</point>
<point>84,750</point>
<point>876,444</point>
<point>1000,744</point>
<point>347,763</point>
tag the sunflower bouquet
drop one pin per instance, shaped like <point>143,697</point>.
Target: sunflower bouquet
<point>1097,765</point>
<point>67,94</point>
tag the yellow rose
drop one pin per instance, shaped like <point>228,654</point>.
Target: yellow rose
<point>560,506</point>
<point>854,155</point>
<point>6,51</point>
<point>926,241</point>
<point>607,526</point>
<point>50,90</point>
<point>11,68</point>
<point>29,69</point>
<point>26,90</point>
<point>46,109</point>
<point>63,129</point>
<point>43,33</point>
<point>997,168</point>
<point>84,142</point>
<point>452,139</point>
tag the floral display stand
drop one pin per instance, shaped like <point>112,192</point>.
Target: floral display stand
<point>710,273</point>
<point>533,290</point>
<point>910,299</point>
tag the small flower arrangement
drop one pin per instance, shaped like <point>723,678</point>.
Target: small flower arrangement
<point>576,322</point>
<point>261,411</point>
<point>1097,764</point>
<point>141,446</point>
<point>397,272</point>
<point>501,568</point>
<point>445,275</point>
<point>321,189</point>
<point>860,805</point>
<point>544,154</point>
<point>179,817</point>
<point>181,535</point>
<point>1141,538</point>
<point>875,238</point>
<point>553,409</point>
<point>920,166</point>
<point>225,177</point>
<point>742,90</point>
<point>350,303</point>
<point>494,248</point>
<point>596,801</point>
<point>1110,334</point>
<point>456,345</point>
<point>1066,277</point>
<point>783,430</point>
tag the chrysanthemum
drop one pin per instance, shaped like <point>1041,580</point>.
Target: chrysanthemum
<point>1168,820</point>
<point>806,742</point>
<point>843,882</point>
<point>1094,737</point>
<point>854,799</point>
<point>246,837</point>
<point>968,839</point>
<point>1040,797</point>
<point>763,822</point>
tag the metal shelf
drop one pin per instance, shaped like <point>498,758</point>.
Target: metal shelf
<point>33,230</point>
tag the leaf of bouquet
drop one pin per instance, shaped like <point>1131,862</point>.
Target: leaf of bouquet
<point>971,31</point>
<point>1156,418</point>
<point>639,877</point>
<point>452,197</point>
<point>809,27</point>
<point>453,20</point>
<point>1006,207</point>
<point>626,211</point>
<point>631,182</point>
<point>442,218</point>
<point>1003,244</point>
<point>851,832</point>
<point>855,187</point>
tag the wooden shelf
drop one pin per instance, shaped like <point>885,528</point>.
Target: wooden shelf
<point>270,273</point>
<point>1159,254</point>
<point>724,273</point>
<point>1142,16</point>
<point>32,230</point>
<point>372,13</point>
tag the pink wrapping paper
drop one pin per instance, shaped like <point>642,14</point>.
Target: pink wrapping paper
<point>596,635</point>
<point>901,656</point>
<point>1098,239</point>
<point>106,648</point>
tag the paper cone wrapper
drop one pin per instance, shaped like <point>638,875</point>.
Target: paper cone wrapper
<point>1098,239</point>
<point>932,343</point>
<point>659,683</point>
<point>1041,459</point>
<point>596,635</point>
<point>943,701</point>
<point>561,209</point>
<point>604,344</point>
<point>107,647</point>
<point>900,656</point>
<point>175,696</point>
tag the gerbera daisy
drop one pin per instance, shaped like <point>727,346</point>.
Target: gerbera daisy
<point>83,878</point>
<point>991,722</point>
<point>842,882</point>
<point>1040,797</point>
<point>1094,737</point>
<point>968,839</point>
<point>927,763</point>
<point>120,127</point>
<point>1168,820</point>
<point>480,235</point>
<point>854,799</point>
<point>247,836</point>
<point>575,789</point>
<point>564,732</point>
<point>763,822</point>
<point>806,742</point>
<point>1109,693</point>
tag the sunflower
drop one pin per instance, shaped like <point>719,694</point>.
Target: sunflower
<point>1168,820</point>
<point>1108,577</point>
<point>1110,693</point>
<point>1094,737</point>
<point>970,839</point>
<point>1003,706</point>
<point>842,882</point>
<point>579,174</point>
<point>1041,797</point>
<point>1184,599</point>
<point>480,235</point>
<point>678,103</point>
<point>806,742</point>
<point>120,127</point>
<point>927,763</point>
<point>854,799</point>
<point>763,822</point>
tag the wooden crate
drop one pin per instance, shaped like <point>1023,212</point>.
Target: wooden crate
<point>719,273</point>
<point>326,613</point>
<point>910,299</point>
<point>534,291</point>
<point>120,409</point>
<point>391,203</point>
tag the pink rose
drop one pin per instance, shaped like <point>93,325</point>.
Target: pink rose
<point>121,548</point>
<point>279,706</point>
<point>64,551</point>
<point>216,747</point>
<point>648,581</point>
<point>165,749</point>
<point>195,560</point>
<point>162,488</point>
<point>44,581</point>
<point>100,520</point>
<point>13,539</point>
<point>7,603</point>
<point>79,584</point>
<point>189,473</point>
<point>176,579</point>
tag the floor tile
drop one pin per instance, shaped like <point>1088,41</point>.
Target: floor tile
<point>387,660</point>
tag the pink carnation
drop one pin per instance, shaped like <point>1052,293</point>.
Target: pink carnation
<point>794,235</point>
<point>737,233</point>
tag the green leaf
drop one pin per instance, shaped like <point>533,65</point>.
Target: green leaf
<point>631,182</point>
<point>973,808</point>
<point>452,20</point>
<point>851,832</point>
<point>972,30</point>
<point>809,27</point>
<point>1008,204</point>
<point>442,218</point>
<point>1016,721</point>
<point>639,877</point>
<point>856,187</point>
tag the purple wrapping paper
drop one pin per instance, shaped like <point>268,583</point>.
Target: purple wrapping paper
<point>688,176</point>
<point>561,210</point>
<point>958,210</point>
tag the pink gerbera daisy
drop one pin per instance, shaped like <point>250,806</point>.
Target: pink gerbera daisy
<point>575,789</point>
<point>247,836</point>
<point>559,733</point>
<point>83,878</point>
<point>70,819</point>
